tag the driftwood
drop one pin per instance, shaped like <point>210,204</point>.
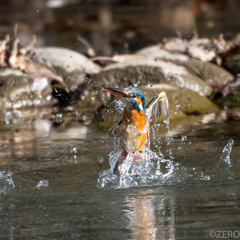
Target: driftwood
<point>210,50</point>
<point>21,59</point>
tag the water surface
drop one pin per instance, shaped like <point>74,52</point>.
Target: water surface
<point>191,196</point>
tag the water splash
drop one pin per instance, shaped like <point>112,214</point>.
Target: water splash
<point>134,173</point>
<point>119,106</point>
<point>184,138</point>
<point>100,159</point>
<point>42,183</point>
<point>6,182</point>
<point>225,157</point>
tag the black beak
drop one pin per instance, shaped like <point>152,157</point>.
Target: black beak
<point>116,91</point>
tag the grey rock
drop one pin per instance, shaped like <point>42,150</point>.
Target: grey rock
<point>72,65</point>
<point>149,72</point>
<point>211,71</point>
<point>159,53</point>
<point>19,90</point>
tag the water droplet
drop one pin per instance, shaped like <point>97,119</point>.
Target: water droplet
<point>178,106</point>
<point>100,159</point>
<point>166,121</point>
<point>120,106</point>
<point>225,157</point>
<point>42,183</point>
<point>184,138</point>
<point>37,11</point>
<point>199,56</point>
<point>73,150</point>
<point>189,64</point>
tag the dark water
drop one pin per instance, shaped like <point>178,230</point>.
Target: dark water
<point>188,202</point>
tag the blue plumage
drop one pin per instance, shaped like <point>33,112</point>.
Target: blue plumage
<point>138,94</point>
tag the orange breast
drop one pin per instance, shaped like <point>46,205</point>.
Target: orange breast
<point>133,132</point>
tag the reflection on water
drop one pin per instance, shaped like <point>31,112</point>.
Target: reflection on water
<point>48,185</point>
<point>151,216</point>
<point>142,216</point>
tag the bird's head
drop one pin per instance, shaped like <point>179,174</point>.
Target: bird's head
<point>133,95</point>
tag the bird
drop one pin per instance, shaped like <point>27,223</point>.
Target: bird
<point>135,121</point>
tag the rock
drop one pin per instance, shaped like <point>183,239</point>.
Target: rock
<point>231,100</point>
<point>180,99</point>
<point>107,116</point>
<point>208,71</point>
<point>182,45</point>
<point>182,103</point>
<point>129,73</point>
<point>72,65</point>
<point>149,72</point>
<point>206,42</point>
<point>174,44</point>
<point>18,90</point>
<point>205,55</point>
<point>220,116</point>
<point>204,70</point>
<point>232,63</point>
<point>159,53</point>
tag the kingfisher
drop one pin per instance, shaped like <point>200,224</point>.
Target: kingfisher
<point>134,124</point>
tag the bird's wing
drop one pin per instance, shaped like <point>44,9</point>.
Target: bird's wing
<point>158,105</point>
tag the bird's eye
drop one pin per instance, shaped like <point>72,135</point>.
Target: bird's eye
<point>134,95</point>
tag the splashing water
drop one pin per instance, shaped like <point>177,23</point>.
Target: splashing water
<point>152,168</point>
<point>100,159</point>
<point>6,182</point>
<point>142,172</point>
<point>184,138</point>
<point>225,157</point>
<point>42,183</point>
<point>145,171</point>
<point>120,106</point>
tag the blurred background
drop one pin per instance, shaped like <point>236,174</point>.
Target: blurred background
<point>117,25</point>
